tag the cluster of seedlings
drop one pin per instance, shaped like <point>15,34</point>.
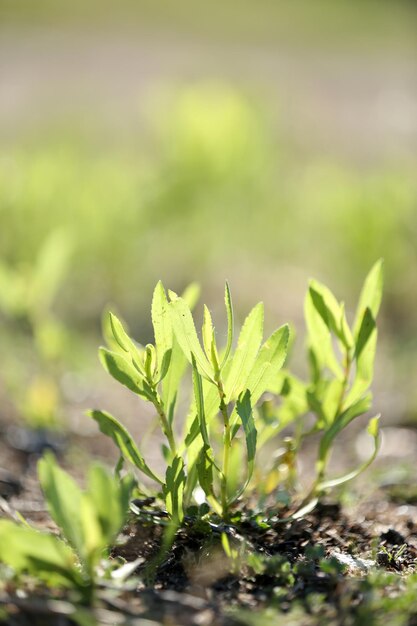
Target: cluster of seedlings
<point>242,401</point>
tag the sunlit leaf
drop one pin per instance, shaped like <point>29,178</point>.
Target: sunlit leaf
<point>249,341</point>
<point>186,335</point>
<point>269,361</point>
<point>125,373</point>
<point>371,294</point>
<point>110,426</point>
<point>230,323</point>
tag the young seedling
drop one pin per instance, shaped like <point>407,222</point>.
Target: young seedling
<point>227,384</point>
<point>89,522</point>
<point>227,421</point>
<point>341,362</point>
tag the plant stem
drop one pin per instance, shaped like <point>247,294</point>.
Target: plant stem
<point>226,450</point>
<point>166,426</point>
<point>323,462</point>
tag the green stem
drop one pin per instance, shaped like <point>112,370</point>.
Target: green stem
<point>166,426</point>
<point>324,460</point>
<point>226,450</point>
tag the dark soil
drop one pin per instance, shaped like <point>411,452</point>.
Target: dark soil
<point>319,565</point>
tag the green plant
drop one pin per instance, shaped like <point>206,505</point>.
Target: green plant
<point>227,385</point>
<point>227,419</point>
<point>88,521</point>
<point>341,360</point>
<point>26,297</point>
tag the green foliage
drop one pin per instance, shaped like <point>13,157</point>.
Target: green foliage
<point>226,386</point>
<point>26,296</point>
<point>88,521</point>
<point>229,421</point>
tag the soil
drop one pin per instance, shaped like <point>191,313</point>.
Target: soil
<point>321,560</point>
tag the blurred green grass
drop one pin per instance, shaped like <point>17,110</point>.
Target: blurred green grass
<point>323,23</point>
<point>212,188</point>
<point>205,184</point>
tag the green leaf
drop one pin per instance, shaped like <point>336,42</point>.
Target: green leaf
<point>346,333</point>
<point>244,410</point>
<point>40,554</point>
<point>373,430</point>
<point>358,408</point>
<point>125,342</point>
<point>172,380</point>
<point>112,428</point>
<point>125,373</point>
<point>163,368</point>
<point>63,497</point>
<point>161,321</point>
<point>229,311</point>
<point>199,401</point>
<point>174,488</point>
<point>328,315</point>
<point>331,312</point>
<point>207,331</point>
<point>371,295</point>
<point>249,341</point>
<point>319,339</point>
<point>204,466</point>
<point>269,361</point>
<point>187,338</point>
<point>110,497</point>
<point>366,329</point>
<point>365,351</point>
<point>209,341</point>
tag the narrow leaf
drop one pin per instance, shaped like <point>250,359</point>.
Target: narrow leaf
<point>174,488</point>
<point>269,361</point>
<point>371,294</point>
<point>373,430</point>
<point>187,338</point>
<point>319,339</point>
<point>244,410</point>
<point>125,373</point>
<point>161,321</point>
<point>229,311</point>
<point>110,426</point>
<point>359,408</point>
<point>249,341</point>
<point>63,497</point>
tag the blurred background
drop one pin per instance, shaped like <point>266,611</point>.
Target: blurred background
<point>263,142</point>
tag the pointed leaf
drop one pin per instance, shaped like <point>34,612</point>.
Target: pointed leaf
<point>63,497</point>
<point>244,410</point>
<point>174,488</point>
<point>319,339</point>
<point>172,379</point>
<point>112,428</point>
<point>230,323</point>
<point>371,294</point>
<point>204,466</point>
<point>373,430</point>
<point>187,338</point>
<point>125,373</point>
<point>161,320</point>
<point>359,408</point>
<point>364,357</point>
<point>126,343</point>
<point>269,361</point>
<point>247,349</point>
